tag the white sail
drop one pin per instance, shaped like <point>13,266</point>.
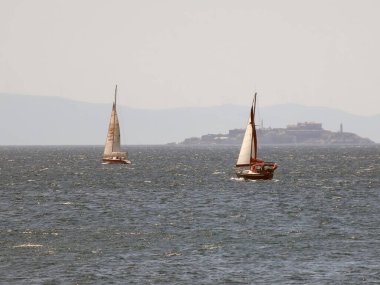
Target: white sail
<point>112,146</point>
<point>248,149</point>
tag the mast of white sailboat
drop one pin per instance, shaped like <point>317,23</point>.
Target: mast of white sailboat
<point>251,121</point>
<point>254,138</point>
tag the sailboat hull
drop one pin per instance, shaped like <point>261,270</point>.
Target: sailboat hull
<point>116,160</point>
<point>258,171</point>
<point>249,175</point>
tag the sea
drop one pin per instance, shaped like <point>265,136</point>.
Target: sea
<point>179,215</point>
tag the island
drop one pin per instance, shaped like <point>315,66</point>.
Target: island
<point>309,133</point>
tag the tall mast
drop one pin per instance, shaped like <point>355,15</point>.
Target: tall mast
<point>253,152</point>
<point>254,137</point>
<point>114,118</point>
<point>251,122</point>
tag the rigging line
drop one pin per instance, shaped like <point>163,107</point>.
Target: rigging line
<point>122,121</point>
<point>259,117</point>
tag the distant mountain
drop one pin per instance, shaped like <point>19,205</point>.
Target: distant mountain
<point>39,120</point>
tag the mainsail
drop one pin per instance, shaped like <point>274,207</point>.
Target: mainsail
<point>248,151</point>
<point>112,147</point>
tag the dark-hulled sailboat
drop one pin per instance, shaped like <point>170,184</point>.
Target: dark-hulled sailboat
<point>112,151</point>
<point>258,169</point>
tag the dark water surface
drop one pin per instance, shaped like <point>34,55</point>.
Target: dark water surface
<point>178,215</point>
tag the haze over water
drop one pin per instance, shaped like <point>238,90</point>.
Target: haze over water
<point>178,215</point>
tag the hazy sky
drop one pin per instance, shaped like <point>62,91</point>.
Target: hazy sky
<point>172,53</point>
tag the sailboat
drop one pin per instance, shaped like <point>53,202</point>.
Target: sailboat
<point>258,169</point>
<point>112,151</point>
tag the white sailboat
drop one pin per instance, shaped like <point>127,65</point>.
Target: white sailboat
<point>258,169</point>
<point>112,151</point>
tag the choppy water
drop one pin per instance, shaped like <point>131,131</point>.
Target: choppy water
<point>178,216</point>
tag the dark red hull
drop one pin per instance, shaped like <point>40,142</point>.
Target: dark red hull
<point>255,176</point>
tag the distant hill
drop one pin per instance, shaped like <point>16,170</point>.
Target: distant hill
<point>39,120</point>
